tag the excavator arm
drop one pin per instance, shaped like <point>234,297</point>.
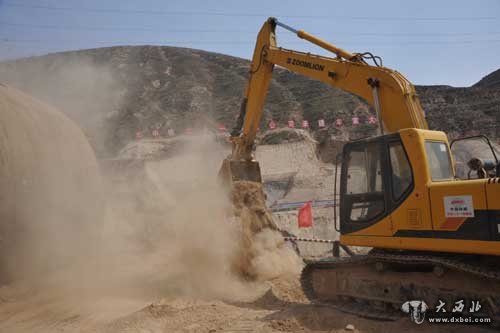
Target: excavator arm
<point>390,93</point>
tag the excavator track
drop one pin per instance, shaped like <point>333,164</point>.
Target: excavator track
<point>375,285</point>
<point>351,305</point>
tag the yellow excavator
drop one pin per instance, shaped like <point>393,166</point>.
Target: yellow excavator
<point>433,237</point>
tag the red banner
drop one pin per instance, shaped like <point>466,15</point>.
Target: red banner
<point>305,216</point>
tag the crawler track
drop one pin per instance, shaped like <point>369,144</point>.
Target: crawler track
<point>375,285</point>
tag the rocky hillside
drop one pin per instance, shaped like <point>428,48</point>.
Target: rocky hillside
<point>114,92</point>
<point>463,111</point>
<point>491,80</point>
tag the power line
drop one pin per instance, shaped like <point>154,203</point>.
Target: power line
<point>151,28</point>
<point>236,14</point>
<point>9,40</point>
<point>124,28</point>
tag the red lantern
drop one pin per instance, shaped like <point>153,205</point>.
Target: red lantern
<point>272,125</point>
<point>222,128</point>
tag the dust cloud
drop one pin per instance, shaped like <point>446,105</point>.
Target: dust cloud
<point>263,254</point>
<point>273,258</point>
<point>184,229</point>
<point>87,92</point>
<point>147,229</point>
<point>193,239</point>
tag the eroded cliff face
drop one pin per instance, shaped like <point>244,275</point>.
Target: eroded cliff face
<point>138,88</point>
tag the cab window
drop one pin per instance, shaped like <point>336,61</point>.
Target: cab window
<point>364,183</point>
<point>438,159</point>
<point>401,175</point>
<point>364,173</point>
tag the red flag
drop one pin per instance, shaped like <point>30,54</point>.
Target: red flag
<point>305,216</point>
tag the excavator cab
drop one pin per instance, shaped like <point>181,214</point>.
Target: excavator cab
<point>400,191</point>
<point>376,177</point>
<point>385,181</point>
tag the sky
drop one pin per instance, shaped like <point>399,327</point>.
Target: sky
<point>450,42</point>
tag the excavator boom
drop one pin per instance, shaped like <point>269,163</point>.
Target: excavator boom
<point>391,95</point>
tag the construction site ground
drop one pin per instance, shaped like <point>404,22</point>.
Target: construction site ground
<point>273,306</point>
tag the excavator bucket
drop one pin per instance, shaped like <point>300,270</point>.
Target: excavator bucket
<point>232,171</point>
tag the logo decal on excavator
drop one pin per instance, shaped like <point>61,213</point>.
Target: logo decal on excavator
<point>458,206</point>
<point>457,202</point>
<point>306,64</point>
<point>457,210</point>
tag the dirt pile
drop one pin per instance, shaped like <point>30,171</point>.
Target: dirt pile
<point>50,193</point>
<point>262,254</point>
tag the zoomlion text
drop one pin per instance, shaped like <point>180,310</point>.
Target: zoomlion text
<point>306,64</point>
